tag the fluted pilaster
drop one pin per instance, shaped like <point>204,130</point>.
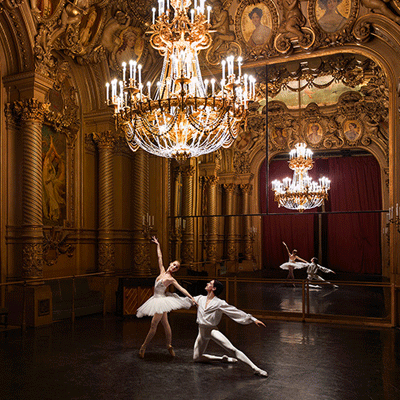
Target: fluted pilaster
<point>187,212</point>
<point>230,235</point>
<point>211,183</point>
<point>105,142</point>
<point>140,205</point>
<point>247,236</point>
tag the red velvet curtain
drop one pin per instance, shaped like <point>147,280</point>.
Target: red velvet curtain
<point>353,240</point>
<point>350,241</point>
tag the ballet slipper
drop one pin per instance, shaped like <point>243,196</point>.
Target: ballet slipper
<point>142,351</point>
<point>171,350</point>
<point>261,373</point>
<point>227,359</point>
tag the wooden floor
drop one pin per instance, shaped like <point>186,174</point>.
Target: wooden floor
<point>96,358</point>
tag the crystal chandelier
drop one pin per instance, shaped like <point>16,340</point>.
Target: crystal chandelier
<point>182,116</point>
<point>301,193</point>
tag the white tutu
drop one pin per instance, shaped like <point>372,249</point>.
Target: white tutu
<point>294,265</point>
<point>162,302</point>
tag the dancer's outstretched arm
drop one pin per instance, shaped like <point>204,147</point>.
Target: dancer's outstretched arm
<point>159,255</point>
<point>326,270</point>
<point>184,291</point>
<point>287,248</point>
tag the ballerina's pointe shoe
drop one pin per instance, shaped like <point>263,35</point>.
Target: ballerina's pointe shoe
<point>260,372</point>
<point>142,351</point>
<point>171,350</point>
<point>230,360</point>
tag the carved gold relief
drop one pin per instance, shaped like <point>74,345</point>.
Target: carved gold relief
<point>32,260</point>
<point>224,39</point>
<point>106,256</point>
<point>55,244</point>
<point>292,28</point>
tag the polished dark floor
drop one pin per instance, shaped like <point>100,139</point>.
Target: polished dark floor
<point>96,358</point>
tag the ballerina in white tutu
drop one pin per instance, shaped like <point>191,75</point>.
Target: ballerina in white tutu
<point>162,302</point>
<point>293,262</point>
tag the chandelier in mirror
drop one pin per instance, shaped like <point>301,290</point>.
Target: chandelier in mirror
<point>182,115</point>
<point>301,193</point>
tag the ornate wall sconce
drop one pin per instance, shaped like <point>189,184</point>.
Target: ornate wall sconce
<point>147,225</point>
<point>394,216</point>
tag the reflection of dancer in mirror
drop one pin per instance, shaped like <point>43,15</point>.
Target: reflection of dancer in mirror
<point>209,313</point>
<point>313,268</point>
<point>162,302</point>
<point>292,264</point>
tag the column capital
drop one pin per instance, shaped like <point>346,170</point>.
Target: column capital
<point>211,180</point>
<point>229,187</point>
<point>104,140</point>
<point>27,110</point>
<point>246,188</point>
<point>188,170</point>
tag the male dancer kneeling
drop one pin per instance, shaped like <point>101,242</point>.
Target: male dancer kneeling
<point>209,313</point>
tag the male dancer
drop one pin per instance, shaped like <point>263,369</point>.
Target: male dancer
<point>313,268</point>
<point>209,313</point>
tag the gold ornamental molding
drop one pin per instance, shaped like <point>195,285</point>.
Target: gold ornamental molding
<point>32,260</point>
<point>29,110</point>
<point>246,188</point>
<point>104,140</point>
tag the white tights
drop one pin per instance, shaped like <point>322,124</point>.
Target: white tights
<point>203,338</point>
<point>157,318</point>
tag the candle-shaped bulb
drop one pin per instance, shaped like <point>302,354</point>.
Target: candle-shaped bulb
<point>107,92</point>
<point>149,89</point>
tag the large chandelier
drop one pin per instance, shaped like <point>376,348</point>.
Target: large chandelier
<point>181,116</point>
<point>301,193</point>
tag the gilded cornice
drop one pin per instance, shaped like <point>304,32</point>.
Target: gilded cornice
<point>89,32</point>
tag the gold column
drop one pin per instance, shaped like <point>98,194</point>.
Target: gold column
<point>140,204</point>
<point>105,142</point>
<point>231,225</point>
<point>247,235</point>
<point>177,222</point>
<point>187,212</point>
<point>31,113</point>
<point>211,183</point>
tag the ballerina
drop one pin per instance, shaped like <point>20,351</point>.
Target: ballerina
<point>162,302</point>
<point>292,264</point>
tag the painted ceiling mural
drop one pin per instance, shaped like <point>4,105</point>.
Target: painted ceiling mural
<point>343,99</point>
